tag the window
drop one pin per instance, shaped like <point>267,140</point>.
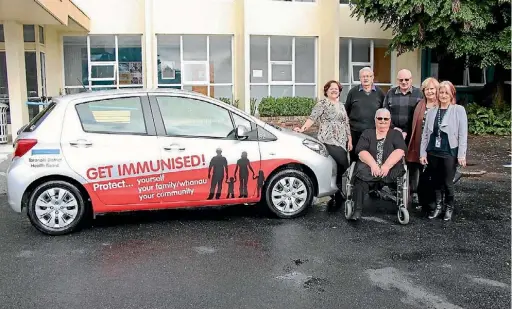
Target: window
<point>200,63</point>
<point>453,69</point>
<point>102,62</point>
<point>4,86</point>
<point>2,37</point>
<point>194,118</point>
<point>239,121</point>
<point>345,1</point>
<point>282,66</point>
<point>41,35</point>
<point>120,115</point>
<point>29,34</point>
<point>356,54</point>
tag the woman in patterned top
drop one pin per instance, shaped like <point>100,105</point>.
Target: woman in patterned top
<point>334,131</point>
<point>380,151</point>
<point>429,88</point>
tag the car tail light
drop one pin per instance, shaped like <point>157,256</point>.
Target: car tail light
<point>23,146</point>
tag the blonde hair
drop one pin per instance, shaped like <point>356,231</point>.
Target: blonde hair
<point>427,82</point>
<point>450,88</point>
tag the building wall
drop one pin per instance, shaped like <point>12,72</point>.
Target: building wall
<point>325,20</point>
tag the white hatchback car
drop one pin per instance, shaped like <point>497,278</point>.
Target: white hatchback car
<point>127,150</point>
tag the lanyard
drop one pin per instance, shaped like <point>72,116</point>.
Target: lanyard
<point>439,120</point>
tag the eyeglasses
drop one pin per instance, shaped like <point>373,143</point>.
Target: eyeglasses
<point>404,79</point>
<point>382,119</point>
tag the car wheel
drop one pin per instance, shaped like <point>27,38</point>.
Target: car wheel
<point>289,193</point>
<point>56,208</point>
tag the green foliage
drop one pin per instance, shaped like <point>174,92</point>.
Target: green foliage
<point>228,101</point>
<point>253,106</point>
<point>476,29</point>
<point>286,106</point>
<point>493,121</point>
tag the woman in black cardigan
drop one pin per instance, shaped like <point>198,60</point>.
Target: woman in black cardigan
<point>380,151</point>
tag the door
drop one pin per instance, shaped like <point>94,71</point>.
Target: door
<point>202,159</point>
<point>111,142</point>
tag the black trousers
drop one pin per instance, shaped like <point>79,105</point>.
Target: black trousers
<point>415,170</point>
<point>442,170</point>
<point>355,139</point>
<point>340,156</point>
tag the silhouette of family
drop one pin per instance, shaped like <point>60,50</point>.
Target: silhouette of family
<point>219,167</point>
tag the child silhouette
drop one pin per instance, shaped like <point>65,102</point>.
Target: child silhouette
<point>231,187</point>
<point>261,181</point>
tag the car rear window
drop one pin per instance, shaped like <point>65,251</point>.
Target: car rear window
<point>39,118</point>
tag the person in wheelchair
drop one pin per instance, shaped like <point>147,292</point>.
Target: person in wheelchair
<point>381,152</point>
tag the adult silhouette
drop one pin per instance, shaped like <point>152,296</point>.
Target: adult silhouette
<point>219,164</point>
<point>243,165</point>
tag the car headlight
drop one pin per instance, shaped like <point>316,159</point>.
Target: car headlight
<point>316,147</point>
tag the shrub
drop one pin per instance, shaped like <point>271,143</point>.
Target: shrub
<point>488,120</point>
<point>228,101</point>
<point>286,106</point>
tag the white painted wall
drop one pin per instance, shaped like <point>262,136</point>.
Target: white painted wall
<point>114,16</point>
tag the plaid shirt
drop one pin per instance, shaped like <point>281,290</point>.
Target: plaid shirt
<point>401,106</point>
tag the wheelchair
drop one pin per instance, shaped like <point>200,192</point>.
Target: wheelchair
<point>399,193</point>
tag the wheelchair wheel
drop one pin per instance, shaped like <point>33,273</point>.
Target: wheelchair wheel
<point>403,215</point>
<point>346,186</point>
<point>349,209</point>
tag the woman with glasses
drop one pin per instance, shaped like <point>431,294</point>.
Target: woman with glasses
<point>443,145</point>
<point>380,151</point>
<point>334,131</point>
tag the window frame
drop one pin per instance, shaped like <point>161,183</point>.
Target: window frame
<point>183,63</point>
<point>146,115</point>
<point>115,64</point>
<point>270,82</point>
<point>351,77</point>
<point>467,78</point>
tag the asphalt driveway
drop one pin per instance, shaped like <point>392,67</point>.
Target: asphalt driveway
<point>236,257</point>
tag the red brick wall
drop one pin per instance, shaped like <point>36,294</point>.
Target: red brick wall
<point>289,122</point>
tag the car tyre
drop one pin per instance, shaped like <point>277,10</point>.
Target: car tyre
<point>287,189</point>
<point>58,203</point>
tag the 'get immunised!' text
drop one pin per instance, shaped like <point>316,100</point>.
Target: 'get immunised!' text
<point>152,166</point>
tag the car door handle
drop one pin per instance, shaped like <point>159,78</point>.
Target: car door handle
<point>80,143</point>
<point>174,147</point>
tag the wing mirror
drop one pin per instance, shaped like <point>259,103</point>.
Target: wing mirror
<point>242,132</point>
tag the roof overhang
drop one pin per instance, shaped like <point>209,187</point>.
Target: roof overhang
<point>45,12</point>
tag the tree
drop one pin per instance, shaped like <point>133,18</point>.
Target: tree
<point>477,30</point>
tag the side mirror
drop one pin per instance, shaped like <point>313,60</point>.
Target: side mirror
<point>242,132</point>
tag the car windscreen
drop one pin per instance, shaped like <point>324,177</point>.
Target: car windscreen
<point>39,118</point>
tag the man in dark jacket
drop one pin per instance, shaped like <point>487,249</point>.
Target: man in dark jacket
<point>362,102</point>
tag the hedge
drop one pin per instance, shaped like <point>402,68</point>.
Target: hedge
<point>488,120</point>
<point>286,106</point>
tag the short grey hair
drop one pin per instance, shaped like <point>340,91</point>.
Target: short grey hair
<point>382,110</point>
<point>365,69</point>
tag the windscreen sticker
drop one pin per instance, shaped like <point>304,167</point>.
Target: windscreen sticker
<point>36,152</point>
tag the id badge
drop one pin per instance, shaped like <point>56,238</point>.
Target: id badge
<point>438,142</point>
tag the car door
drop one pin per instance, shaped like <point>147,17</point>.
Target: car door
<point>111,142</point>
<point>202,159</point>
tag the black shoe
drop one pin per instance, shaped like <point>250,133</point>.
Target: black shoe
<point>436,212</point>
<point>449,212</point>
<point>439,206</point>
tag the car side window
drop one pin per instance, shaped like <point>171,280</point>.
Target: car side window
<point>239,121</point>
<point>196,118</point>
<point>119,115</point>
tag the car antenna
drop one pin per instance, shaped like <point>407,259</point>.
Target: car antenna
<point>78,79</point>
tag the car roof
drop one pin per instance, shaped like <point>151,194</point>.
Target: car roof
<point>122,91</point>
